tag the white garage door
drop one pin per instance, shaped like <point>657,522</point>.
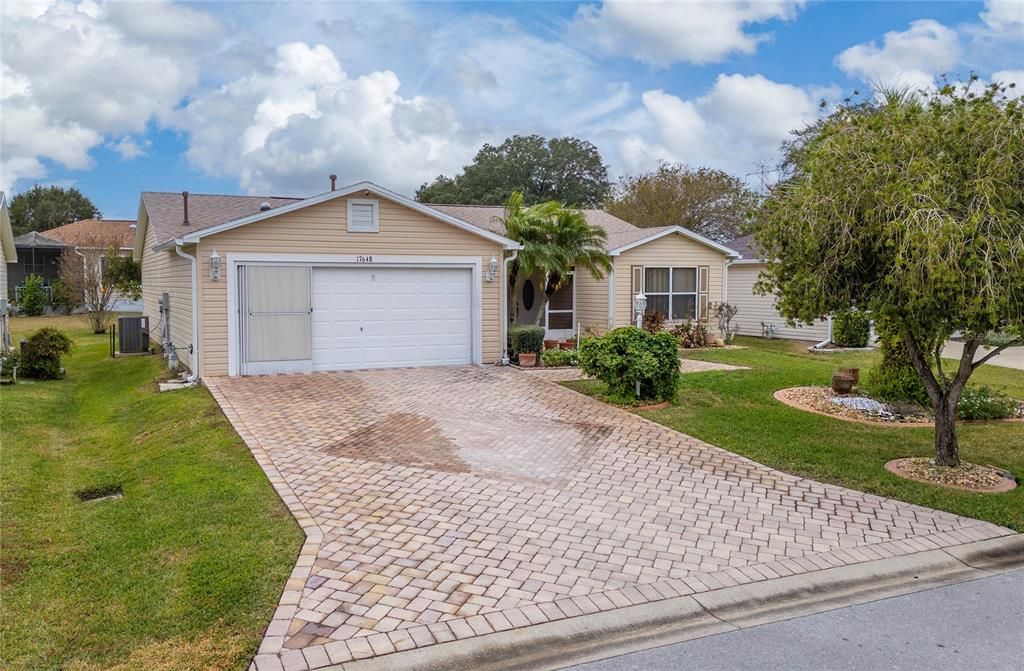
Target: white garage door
<point>388,317</point>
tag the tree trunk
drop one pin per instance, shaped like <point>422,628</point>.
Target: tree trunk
<point>947,447</point>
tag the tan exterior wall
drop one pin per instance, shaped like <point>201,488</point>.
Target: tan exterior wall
<point>322,229</point>
<point>592,301</point>
<point>166,271</point>
<point>671,250</point>
<point>3,272</point>
<point>754,309</point>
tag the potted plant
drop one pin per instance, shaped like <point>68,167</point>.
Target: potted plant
<point>527,359</point>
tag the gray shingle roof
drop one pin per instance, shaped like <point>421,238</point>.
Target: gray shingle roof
<point>167,213</point>
<point>37,239</point>
<point>619,232</point>
<point>745,246</point>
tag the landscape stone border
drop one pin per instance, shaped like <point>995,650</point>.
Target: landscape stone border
<point>1008,483</point>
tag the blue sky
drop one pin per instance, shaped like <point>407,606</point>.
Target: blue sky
<point>269,98</point>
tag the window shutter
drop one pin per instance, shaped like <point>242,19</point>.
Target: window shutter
<point>636,285</point>
<point>703,280</point>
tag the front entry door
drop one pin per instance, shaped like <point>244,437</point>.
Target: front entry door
<point>275,319</point>
<point>560,320</point>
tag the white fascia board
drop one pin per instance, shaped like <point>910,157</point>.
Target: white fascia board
<point>341,193</point>
<point>685,232</point>
<point>141,226</point>
<point>748,262</point>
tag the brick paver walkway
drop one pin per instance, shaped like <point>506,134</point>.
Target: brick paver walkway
<point>445,503</point>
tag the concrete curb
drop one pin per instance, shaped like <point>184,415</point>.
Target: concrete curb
<point>555,645</point>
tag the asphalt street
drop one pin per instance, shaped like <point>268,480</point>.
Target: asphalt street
<point>975,625</point>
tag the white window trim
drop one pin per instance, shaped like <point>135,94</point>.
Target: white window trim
<point>373,202</point>
<point>695,293</point>
<point>235,259</point>
<point>548,310</point>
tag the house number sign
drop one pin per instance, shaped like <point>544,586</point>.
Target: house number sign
<point>364,259</point>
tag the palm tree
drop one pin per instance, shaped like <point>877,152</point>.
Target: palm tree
<point>554,238</point>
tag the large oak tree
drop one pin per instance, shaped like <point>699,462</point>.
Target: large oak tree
<point>44,207</point>
<point>710,202</point>
<point>911,207</point>
<point>566,169</point>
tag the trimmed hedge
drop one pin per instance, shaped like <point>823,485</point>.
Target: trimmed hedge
<point>560,357</point>
<point>41,353</point>
<point>628,355</point>
<point>851,329</point>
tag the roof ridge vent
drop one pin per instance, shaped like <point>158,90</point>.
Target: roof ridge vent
<point>264,206</point>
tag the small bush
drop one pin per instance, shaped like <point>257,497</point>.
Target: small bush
<point>983,403</point>
<point>894,378</point>
<point>32,297</point>
<point>64,298</point>
<point>627,355</point>
<point>654,321</point>
<point>560,357</point>
<point>8,362</point>
<point>725,313</point>
<point>691,335</point>
<point>41,353</point>
<point>851,329</point>
<point>525,340</point>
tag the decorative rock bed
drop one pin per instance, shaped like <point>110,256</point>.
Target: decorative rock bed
<point>853,408</point>
<point>969,477</point>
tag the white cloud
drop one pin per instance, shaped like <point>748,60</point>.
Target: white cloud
<point>1015,77</point>
<point>910,58</point>
<point>130,148</point>
<point>283,129</point>
<point>662,33</point>
<point>736,126</point>
<point>72,76</point>
<point>1004,15</point>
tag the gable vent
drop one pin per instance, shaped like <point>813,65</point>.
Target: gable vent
<point>362,215</point>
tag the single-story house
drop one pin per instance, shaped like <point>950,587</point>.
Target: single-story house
<point>38,253</point>
<point>362,277</point>
<point>8,254</point>
<point>756,314</point>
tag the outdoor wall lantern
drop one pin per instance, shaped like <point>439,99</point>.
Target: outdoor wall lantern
<point>492,268</point>
<point>639,307</point>
<point>214,266</point>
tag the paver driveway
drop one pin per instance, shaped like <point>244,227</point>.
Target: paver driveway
<point>443,503</point>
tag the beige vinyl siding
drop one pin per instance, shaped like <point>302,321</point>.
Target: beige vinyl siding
<point>3,271</point>
<point>670,251</point>
<point>322,229</point>
<point>166,271</point>
<point>754,308</point>
<point>591,301</point>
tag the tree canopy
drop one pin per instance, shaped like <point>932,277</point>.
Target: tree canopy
<point>910,207</point>
<point>710,202</point>
<point>566,169</point>
<point>44,207</point>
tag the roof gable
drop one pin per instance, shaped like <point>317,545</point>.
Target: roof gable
<point>209,215</point>
<point>10,254</point>
<point>95,232</point>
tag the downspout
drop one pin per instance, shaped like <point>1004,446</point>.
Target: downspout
<point>195,312</point>
<point>829,338</point>
<point>611,297</point>
<point>504,308</point>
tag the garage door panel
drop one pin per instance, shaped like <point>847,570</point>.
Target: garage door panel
<point>391,317</point>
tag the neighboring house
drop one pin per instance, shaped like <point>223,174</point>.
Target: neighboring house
<point>39,253</point>
<point>362,277</point>
<point>8,254</point>
<point>756,314</point>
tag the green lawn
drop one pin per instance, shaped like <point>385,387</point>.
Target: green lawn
<point>735,410</point>
<point>182,573</point>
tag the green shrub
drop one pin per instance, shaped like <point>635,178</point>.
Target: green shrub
<point>894,378</point>
<point>32,297</point>
<point>629,355</point>
<point>8,362</point>
<point>851,328</point>
<point>691,335</point>
<point>63,297</point>
<point>983,403</point>
<point>560,357</point>
<point>525,340</point>
<point>40,355</point>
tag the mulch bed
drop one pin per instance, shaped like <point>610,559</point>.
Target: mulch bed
<point>968,477</point>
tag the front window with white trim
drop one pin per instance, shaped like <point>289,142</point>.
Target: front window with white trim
<point>363,215</point>
<point>672,292</point>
